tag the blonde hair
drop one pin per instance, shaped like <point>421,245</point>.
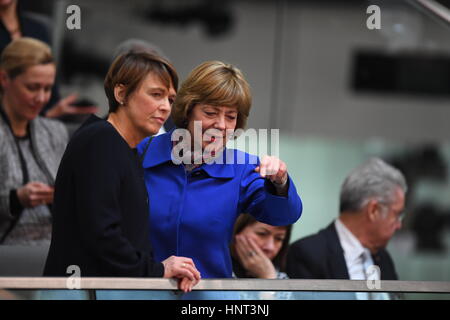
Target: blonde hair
<point>24,53</point>
<point>214,83</point>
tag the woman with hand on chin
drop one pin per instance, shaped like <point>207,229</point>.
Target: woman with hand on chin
<point>101,207</point>
<point>259,250</point>
<point>196,199</point>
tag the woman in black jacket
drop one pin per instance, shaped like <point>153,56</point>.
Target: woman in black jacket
<point>101,219</point>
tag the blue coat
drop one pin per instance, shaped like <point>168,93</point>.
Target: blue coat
<point>193,214</point>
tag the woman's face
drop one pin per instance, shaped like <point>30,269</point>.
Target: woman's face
<point>218,121</point>
<point>149,106</point>
<point>29,92</point>
<point>268,238</point>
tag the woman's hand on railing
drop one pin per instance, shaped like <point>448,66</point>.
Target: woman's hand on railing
<point>186,285</point>
<point>183,269</point>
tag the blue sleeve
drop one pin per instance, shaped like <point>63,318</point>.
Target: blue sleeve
<point>258,197</point>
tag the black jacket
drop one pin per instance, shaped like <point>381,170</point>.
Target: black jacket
<point>320,256</point>
<point>100,211</point>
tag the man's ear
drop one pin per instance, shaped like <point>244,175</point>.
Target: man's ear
<point>373,210</point>
<point>119,93</point>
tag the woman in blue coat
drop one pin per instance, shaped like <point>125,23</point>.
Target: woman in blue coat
<point>197,188</point>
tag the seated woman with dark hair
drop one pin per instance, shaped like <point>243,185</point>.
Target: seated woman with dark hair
<point>259,250</point>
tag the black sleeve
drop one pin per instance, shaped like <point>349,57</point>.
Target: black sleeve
<point>14,203</point>
<point>97,188</point>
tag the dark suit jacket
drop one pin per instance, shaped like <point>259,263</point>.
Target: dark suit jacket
<point>320,256</point>
<point>100,209</point>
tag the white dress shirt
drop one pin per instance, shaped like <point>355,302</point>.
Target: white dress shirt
<point>358,260</point>
<point>353,252</point>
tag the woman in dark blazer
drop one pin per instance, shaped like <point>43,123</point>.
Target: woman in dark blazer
<point>101,207</point>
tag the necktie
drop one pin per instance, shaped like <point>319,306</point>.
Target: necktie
<point>373,277</point>
<point>364,265</point>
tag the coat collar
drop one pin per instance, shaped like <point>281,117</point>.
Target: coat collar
<point>337,264</point>
<point>220,170</point>
<point>160,151</point>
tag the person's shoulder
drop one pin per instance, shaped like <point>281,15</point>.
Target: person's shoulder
<point>311,241</point>
<point>311,250</point>
<point>36,20</point>
<point>95,132</point>
<point>94,125</point>
<point>37,26</point>
<point>145,143</point>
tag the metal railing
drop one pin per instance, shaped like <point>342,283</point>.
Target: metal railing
<point>433,8</point>
<point>22,283</point>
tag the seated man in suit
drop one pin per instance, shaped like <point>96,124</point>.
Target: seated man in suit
<point>371,203</point>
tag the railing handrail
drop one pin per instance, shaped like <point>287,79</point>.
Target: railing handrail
<point>434,8</point>
<point>87,283</point>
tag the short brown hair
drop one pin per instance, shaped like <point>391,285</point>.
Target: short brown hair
<point>129,69</point>
<point>214,83</point>
<point>23,53</point>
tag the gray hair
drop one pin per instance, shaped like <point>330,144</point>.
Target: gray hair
<point>372,179</point>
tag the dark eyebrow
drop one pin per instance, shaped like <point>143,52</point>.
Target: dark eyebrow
<point>157,88</point>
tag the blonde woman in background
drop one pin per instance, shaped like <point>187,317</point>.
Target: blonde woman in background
<point>31,146</point>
